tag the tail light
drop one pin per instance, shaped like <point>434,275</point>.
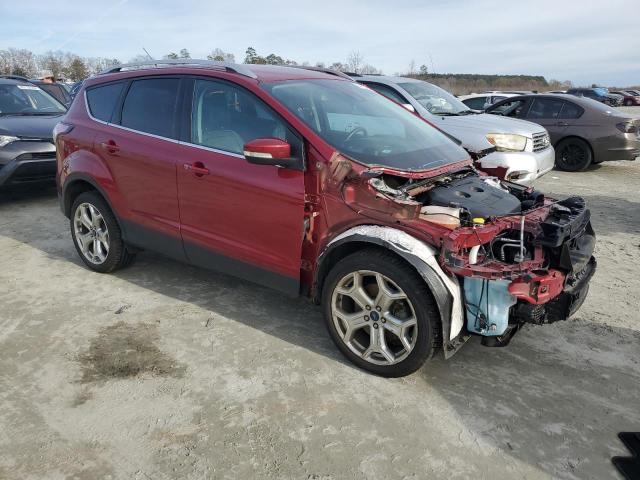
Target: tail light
<point>627,127</point>
<point>61,128</point>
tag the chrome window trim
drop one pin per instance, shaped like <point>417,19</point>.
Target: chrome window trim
<point>159,137</point>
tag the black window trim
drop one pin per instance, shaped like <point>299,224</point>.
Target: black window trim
<point>390,87</point>
<point>187,101</point>
<point>533,99</point>
<point>564,103</point>
<point>117,113</point>
<point>183,113</point>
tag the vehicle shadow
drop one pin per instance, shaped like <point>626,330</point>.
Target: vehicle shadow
<point>555,398</point>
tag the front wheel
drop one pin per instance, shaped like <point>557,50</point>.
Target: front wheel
<point>380,313</point>
<point>96,234</point>
<point>573,155</point>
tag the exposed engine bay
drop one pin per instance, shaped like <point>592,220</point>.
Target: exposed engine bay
<point>520,256</point>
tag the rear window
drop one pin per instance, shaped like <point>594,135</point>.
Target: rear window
<point>103,100</point>
<point>150,106</point>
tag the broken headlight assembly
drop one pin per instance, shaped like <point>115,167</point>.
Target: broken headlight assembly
<point>507,142</point>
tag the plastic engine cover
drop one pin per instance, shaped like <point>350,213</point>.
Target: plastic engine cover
<point>487,304</point>
<point>479,197</point>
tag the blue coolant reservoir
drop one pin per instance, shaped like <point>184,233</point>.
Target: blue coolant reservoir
<point>487,304</point>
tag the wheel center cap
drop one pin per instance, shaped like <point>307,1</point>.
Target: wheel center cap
<point>374,316</point>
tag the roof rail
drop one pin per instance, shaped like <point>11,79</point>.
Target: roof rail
<point>330,71</point>
<point>187,62</point>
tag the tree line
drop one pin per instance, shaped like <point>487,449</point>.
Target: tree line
<point>73,67</point>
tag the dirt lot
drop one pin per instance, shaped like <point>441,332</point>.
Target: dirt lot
<point>167,371</point>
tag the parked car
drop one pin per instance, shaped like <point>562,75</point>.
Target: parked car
<point>629,99</point>
<point>480,101</point>
<point>312,184</point>
<point>557,91</point>
<point>27,118</point>
<point>633,92</point>
<point>75,88</point>
<point>56,90</point>
<point>514,150</point>
<point>582,131</point>
<point>600,94</point>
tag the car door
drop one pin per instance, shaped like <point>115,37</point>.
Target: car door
<point>140,146</point>
<point>546,112</point>
<point>238,217</point>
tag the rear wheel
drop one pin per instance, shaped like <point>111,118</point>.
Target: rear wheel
<point>628,103</point>
<point>96,234</point>
<point>573,155</point>
<point>380,313</point>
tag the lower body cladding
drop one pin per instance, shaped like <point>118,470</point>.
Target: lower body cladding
<point>29,168</point>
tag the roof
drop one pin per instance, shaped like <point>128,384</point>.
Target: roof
<point>263,73</point>
<point>386,79</point>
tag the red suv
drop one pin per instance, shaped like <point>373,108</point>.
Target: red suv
<point>310,183</point>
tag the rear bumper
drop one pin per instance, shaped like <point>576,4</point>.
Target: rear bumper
<point>519,167</point>
<point>617,147</point>
<point>27,162</point>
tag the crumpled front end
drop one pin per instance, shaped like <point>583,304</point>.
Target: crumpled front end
<point>536,269</point>
<point>519,256</point>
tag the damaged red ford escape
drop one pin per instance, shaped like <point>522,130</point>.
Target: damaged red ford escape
<point>307,182</point>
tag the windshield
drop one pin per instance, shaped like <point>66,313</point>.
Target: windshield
<point>27,100</point>
<point>365,125</point>
<point>434,99</point>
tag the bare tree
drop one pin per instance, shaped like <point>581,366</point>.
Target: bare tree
<point>221,56</point>
<point>18,62</point>
<point>354,61</point>
<point>412,67</point>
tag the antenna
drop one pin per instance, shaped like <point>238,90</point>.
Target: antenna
<point>148,55</point>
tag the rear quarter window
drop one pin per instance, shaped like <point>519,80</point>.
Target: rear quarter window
<point>102,100</point>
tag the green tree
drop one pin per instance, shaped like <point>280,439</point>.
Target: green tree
<point>184,53</point>
<point>171,56</point>
<point>423,69</point>
<point>77,70</point>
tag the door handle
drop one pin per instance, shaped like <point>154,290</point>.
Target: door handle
<point>197,168</point>
<point>110,146</point>
<point>562,124</point>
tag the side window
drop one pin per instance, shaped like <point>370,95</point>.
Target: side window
<point>150,106</point>
<point>387,92</point>
<point>497,98</point>
<point>571,110</point>
<point>510,109</point>
<point>545,108</point>
<point>102,100</point>
<point>476,103</point>
<point>225,117</point>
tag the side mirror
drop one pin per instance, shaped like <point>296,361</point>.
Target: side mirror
<point>269,151</point>
<point>409,107</point>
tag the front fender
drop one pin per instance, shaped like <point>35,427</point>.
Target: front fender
<point>446,289</point>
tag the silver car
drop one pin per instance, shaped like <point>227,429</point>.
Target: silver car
<point>516,150</point>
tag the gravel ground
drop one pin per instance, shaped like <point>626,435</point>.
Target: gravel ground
<point>168,371</point>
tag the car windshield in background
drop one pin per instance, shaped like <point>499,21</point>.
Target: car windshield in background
<point>601,91</point>
<point>435,99</point>
<point>366,126</point>
<point>27,100</point>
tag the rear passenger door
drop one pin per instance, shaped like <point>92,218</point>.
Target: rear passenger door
<point>139,145</point>
<point>238,217</point>
<point>546,112</point>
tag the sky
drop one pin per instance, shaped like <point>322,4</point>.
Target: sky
<point>585,42</point>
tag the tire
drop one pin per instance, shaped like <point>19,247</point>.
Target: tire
<point>96,234</point>
<point>628,103</point>
<point>573,155</point>
<point>408,328</point>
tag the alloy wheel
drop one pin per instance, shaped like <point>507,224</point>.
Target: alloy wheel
<point>374,317</point>
<point>91,232</point>
<point>573,155</point>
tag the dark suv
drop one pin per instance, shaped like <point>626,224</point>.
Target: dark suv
<point>313,184</point>
<point>599,94</point>
<point>27,118</point>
